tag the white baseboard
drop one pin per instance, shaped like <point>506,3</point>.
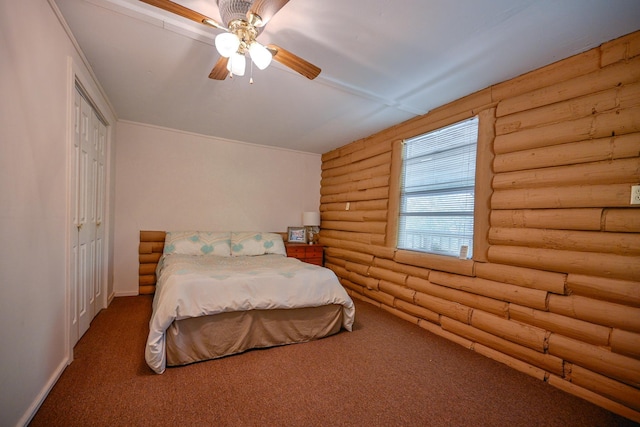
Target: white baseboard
<point>33,408</point>
<point>126,294</point>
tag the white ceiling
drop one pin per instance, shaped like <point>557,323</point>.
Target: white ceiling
<point>383,62</point>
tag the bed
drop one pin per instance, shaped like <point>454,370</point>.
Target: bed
<point>222,293</point>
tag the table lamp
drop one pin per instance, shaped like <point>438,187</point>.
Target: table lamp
<point>311,221</point>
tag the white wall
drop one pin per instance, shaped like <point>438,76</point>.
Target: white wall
<point>36,62</point>
<point>172,180</point>
<point>35,54</point>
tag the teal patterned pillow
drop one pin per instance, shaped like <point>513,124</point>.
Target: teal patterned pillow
<point>251,243</point>
<point>198,243</point>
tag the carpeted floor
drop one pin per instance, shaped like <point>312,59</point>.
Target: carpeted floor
<point>387,372</point>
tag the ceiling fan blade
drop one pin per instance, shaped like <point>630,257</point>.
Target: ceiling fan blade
<point>294,62</point>
<point>264,10</point>
<point>220,71</point>
<point>185,12</point>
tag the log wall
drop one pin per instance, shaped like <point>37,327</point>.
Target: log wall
<point>554,286</point>
<point>149,253</point>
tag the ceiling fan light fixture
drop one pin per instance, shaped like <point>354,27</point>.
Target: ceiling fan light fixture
<point>260,55</point>
<point>242,22</point>
<point>227,44</point>
<point>237,64</point>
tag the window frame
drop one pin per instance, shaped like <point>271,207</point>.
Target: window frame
<point>482,203</point>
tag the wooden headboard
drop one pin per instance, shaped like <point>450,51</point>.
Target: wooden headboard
<point>149,252</point>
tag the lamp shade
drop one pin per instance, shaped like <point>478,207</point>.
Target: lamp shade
<point>227,44</point>
<point>237,64</point>
<point>260,55</point>
<point>311,219</point>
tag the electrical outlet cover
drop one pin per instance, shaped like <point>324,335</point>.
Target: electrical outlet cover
<point>635,194</point>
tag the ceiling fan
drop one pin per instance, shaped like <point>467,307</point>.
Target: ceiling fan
<point>243,21</point>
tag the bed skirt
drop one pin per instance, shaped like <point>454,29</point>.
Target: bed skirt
<point>209,337</point>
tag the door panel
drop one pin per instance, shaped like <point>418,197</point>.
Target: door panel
<point>75,221</point>
<point>101,138</point>
<point>86,203</point>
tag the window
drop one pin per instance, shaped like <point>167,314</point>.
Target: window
<point>437,190</point>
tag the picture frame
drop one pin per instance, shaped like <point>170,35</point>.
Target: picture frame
<point>296,235</point>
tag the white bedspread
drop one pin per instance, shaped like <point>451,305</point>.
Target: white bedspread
<point>192,286</point>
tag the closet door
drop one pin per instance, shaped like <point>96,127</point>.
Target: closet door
<point>74,268</point>
<point>87,240</point>
<point>87,219</point>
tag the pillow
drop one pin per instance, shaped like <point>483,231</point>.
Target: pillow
<point>254,243</point>
<point>198,243</point>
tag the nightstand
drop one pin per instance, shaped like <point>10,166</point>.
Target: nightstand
<point>313,254</point>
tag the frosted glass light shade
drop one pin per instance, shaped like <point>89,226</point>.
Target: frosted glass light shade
<point>237,64</point>
<point>311,219</point>
<point>260,55</point>
<point>227,44</point>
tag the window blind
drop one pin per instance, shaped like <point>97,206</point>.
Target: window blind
<point>437,190</point>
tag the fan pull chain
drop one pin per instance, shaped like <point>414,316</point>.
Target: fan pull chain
<point>251,71</point>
